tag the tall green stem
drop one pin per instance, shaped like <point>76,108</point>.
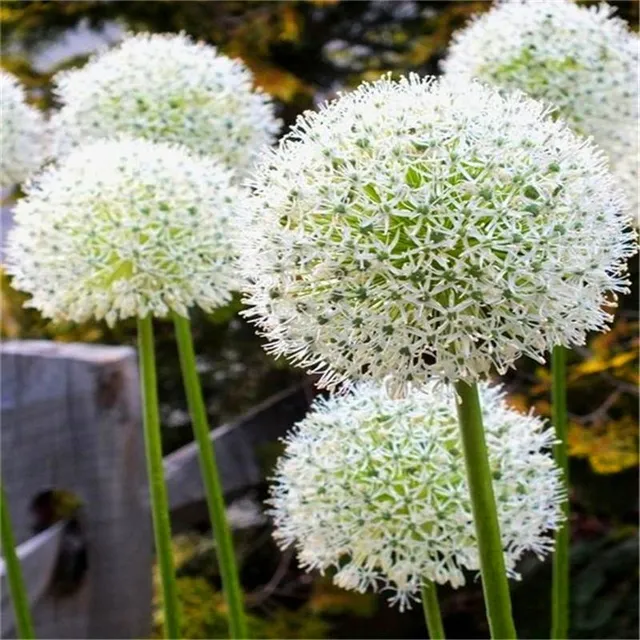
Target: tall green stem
<point>431,610</point>
<point>560,585</point>
<point>211,479</point>
<point>157,488</point>
<point>483,503</point>
<point>17,589</point>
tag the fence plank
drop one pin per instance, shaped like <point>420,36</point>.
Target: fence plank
<point>37,559</point>
<point>237,448</point>
<point>71,421</point>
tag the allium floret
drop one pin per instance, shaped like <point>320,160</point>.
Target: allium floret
<point>126,228</point>
<point>167,88</point>
<point>376,488</point>
<point>23,137</point>
<point>580,59</point>
<point>431,228</point>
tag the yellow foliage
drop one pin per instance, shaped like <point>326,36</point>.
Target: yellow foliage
<point>204,611</point>
<point>603,399</point>
<point>279,83</point>
<point>10,328</point>
<point>291,24</point>
<point>598,364</point>
<point>610,447</point>
<point>328,599</point>
<point>519,402</point>
<point>422,49</point>
<point>8,14</point>
<point>372,75</point>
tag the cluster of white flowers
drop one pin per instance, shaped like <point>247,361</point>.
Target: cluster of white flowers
<point>421,227</point>
<point>582,60</point>
<point>23,139</point>
<point>376,487</point>
<point>166,88</point>
<point>149,229</point>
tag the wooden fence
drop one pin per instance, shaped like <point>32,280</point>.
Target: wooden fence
<point>71,423</point>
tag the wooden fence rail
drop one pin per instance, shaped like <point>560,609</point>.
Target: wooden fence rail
<point>71,422</point>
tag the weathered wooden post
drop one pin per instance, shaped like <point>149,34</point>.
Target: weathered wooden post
<point>71,421</point>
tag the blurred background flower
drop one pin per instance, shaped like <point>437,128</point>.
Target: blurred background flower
<point>23,136</point>
<point>583,61</point>
<point>165,88</point>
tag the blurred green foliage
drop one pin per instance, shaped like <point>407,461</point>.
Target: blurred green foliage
<point>204,611</point>
<point>605,594</point>
<point>303,52</point>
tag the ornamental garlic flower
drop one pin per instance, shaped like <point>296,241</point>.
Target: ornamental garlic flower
<point>22,134</point>
<point>431,228</point>
<point>582,60</point>
<point>376,488</point>
<point>166,88</point>
<point>126,228</point>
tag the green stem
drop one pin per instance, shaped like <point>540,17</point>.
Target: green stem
<point>157,488</point>
<point>560,584</point>
<point>483,503</point>
<point>17,589</point>
<point>211,479</point>
<point>431,610</point>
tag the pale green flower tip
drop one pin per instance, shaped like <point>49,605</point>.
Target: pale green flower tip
<point>166,88</point>
<point>583,60</point>
<point>427,228</point>
<point>375,488</point>
<point>23,136</point>
<point>126,228</point>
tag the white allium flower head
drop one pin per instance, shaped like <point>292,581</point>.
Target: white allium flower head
<point>580,59</point>
<point>431,228</point>
<point>376,488</point>
<point>166,88</point>
<point>125,228</point>
<point>22,134</point>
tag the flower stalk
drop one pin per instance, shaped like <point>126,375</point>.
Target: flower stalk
<point>560,581</point>
<point>211,479</point>
<point>494,577</point>
<point>431,610</point>
<point>24,624</point>
<point>157,488</point>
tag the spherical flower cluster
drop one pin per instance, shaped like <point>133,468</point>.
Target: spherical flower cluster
<point>22,134</point>
<point>582,60</point>
<point>422,227</point>
<point>376,487</point>
<point>126,228</point>
<point>166,88</point>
